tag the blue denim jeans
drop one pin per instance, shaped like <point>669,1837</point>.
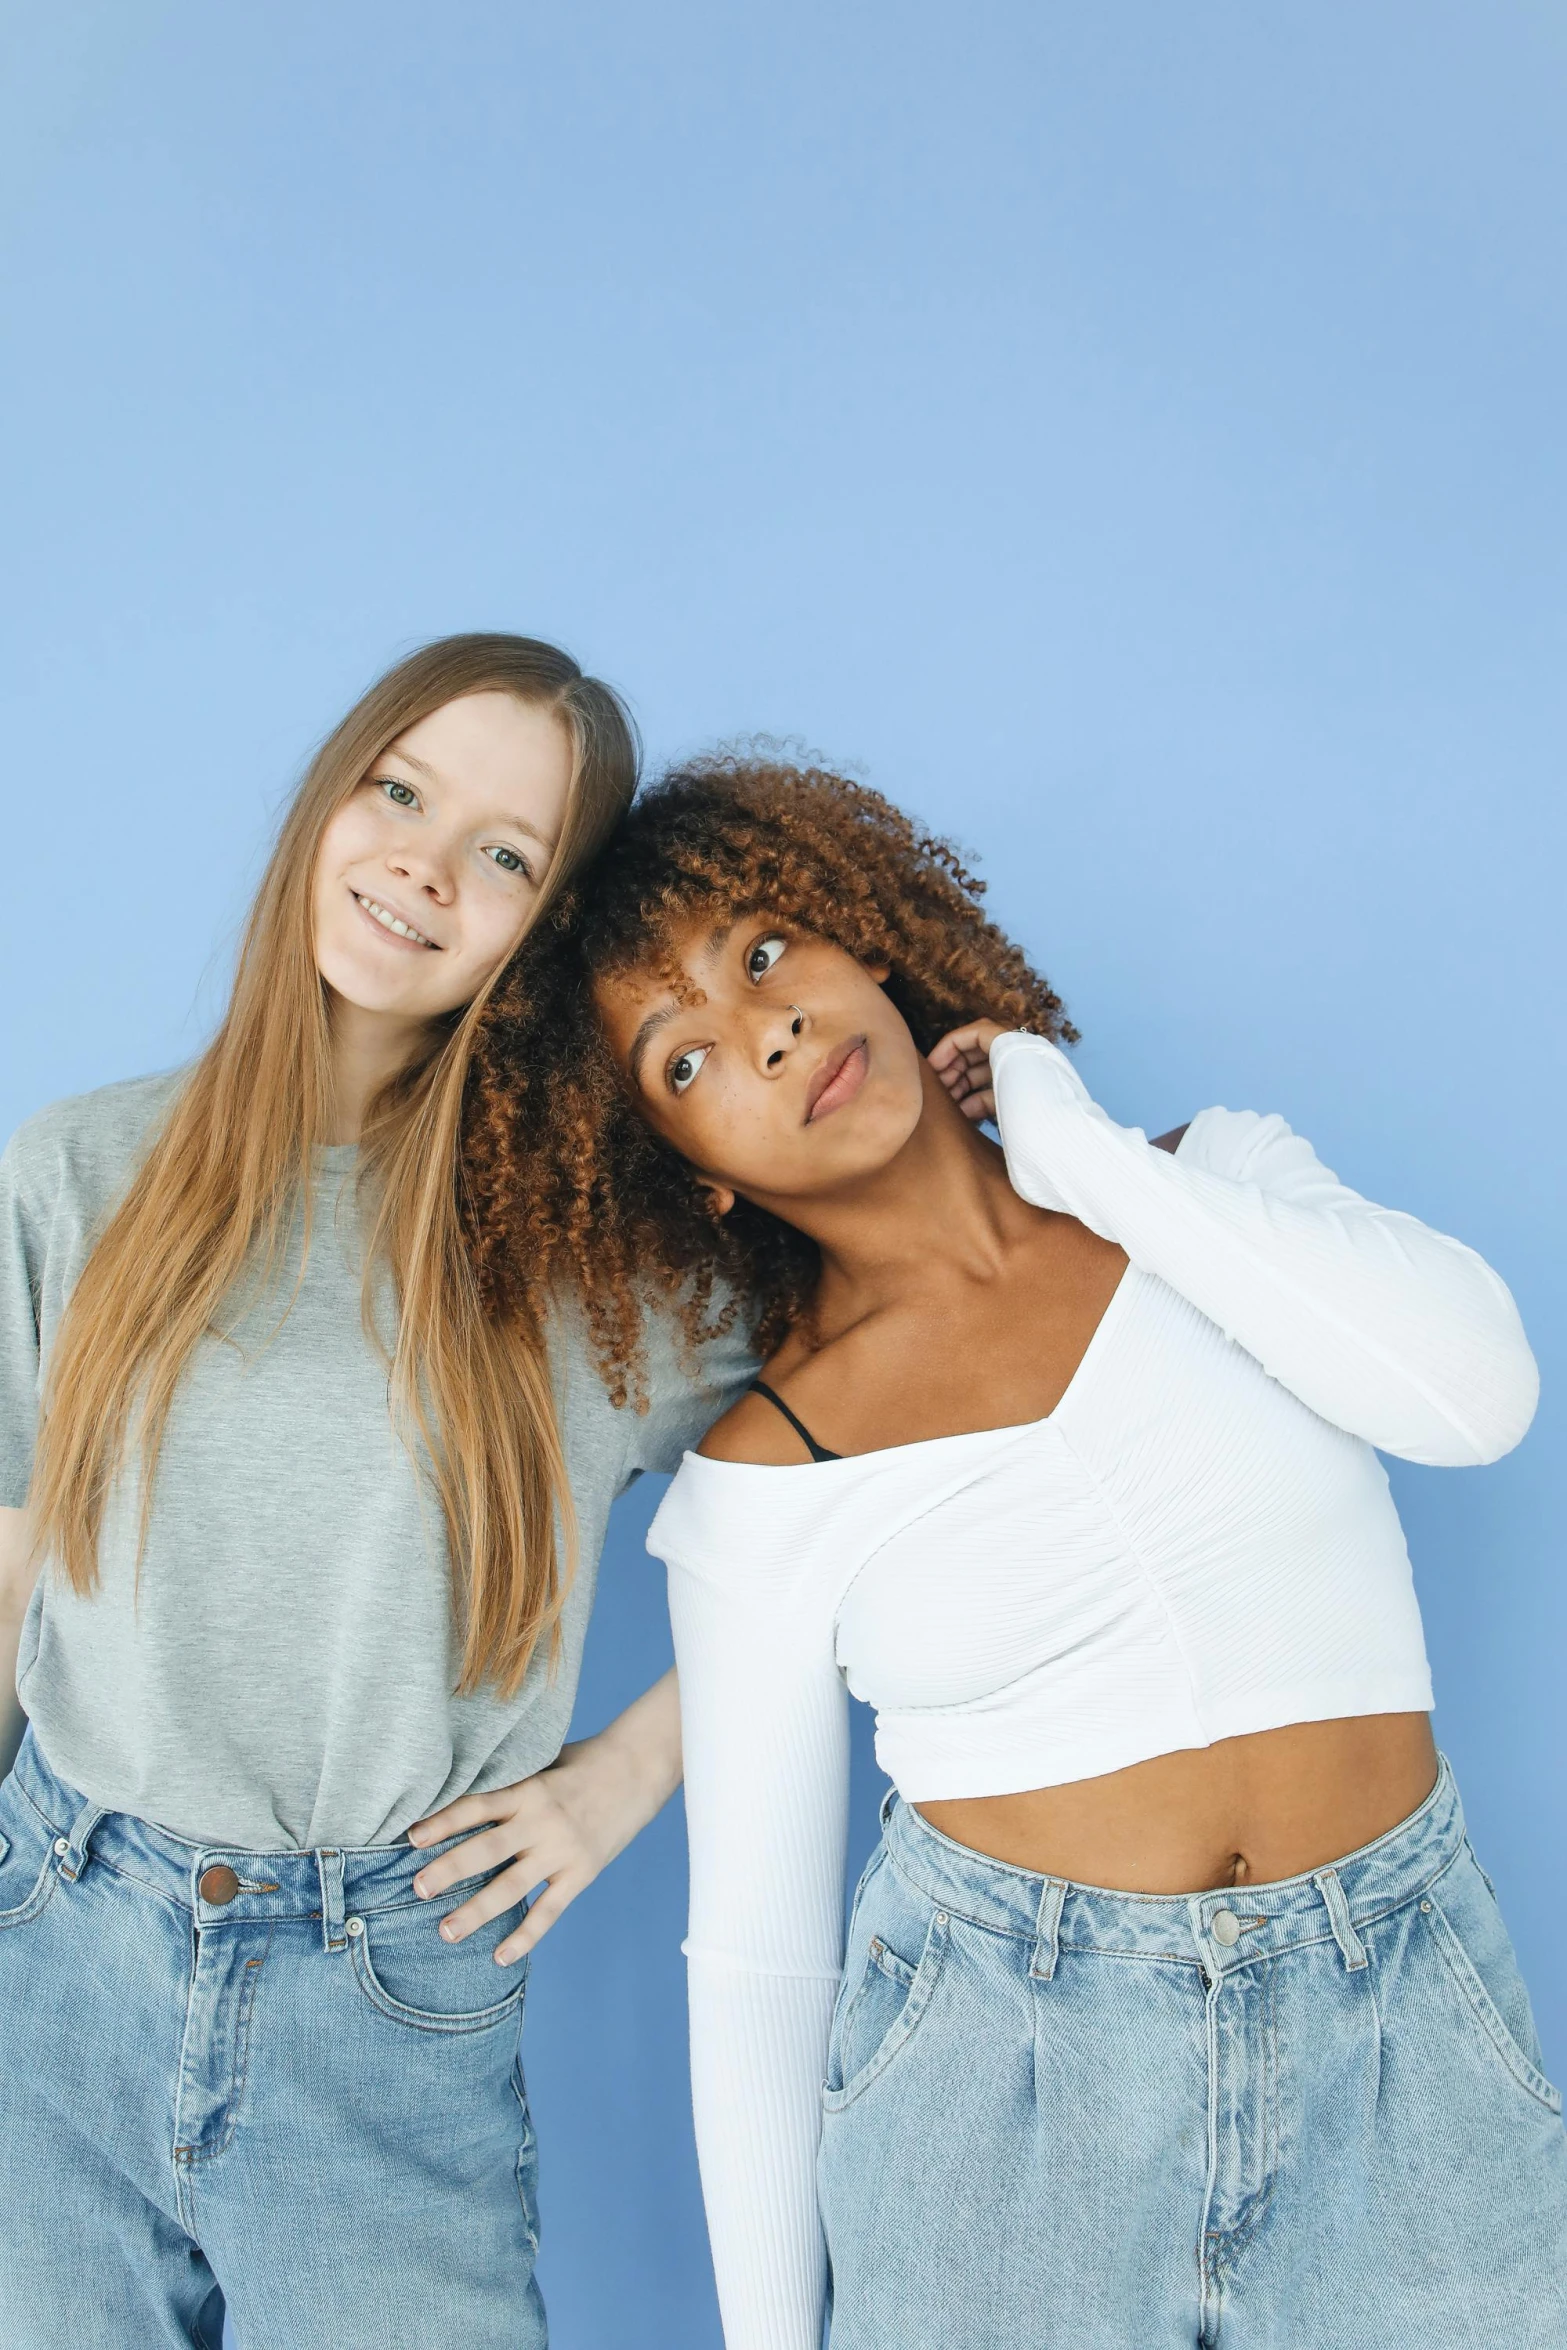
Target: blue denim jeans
<point>252,2079</point>
<point>1272,2118</point>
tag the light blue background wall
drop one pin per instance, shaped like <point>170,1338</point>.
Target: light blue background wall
<point>1132,432</point>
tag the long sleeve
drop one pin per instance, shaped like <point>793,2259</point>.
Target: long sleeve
<point>1383,1327</point>
<point>765,1723</point>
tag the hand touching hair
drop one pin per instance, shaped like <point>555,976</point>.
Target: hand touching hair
<point>566,1179</point>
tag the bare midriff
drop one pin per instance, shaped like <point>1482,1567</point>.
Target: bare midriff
<point>1247,1811</point>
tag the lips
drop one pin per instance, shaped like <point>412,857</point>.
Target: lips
<point>838,1079</point>
<point>392,923</point>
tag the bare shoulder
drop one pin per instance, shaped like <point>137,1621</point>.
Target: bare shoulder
<point>754,1431</point>
<point>804,1384</point>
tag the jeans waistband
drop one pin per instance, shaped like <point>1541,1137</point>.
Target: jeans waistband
<point>1231,1926</point>
<point>219,1883</point>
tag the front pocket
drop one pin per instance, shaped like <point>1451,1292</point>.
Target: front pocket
<point>27,1870</point>
<point>1468,1935</point>
<point>881,2014</point>
<point>406,1971</point>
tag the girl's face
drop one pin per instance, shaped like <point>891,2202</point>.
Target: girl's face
<point>430,869</point>
<point>771,1060</point>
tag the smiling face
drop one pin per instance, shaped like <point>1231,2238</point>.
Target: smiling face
<point>771,1059</point>
<point>428,872</point>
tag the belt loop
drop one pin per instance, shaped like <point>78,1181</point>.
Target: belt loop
<point>74,1856</point>
<point>1047,1930</point>
<point>329,1866</point>
<point>1344,1934</point>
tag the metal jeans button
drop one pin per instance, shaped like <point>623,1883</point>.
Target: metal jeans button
<point>1225,1928</point>
<point>217,1885</point>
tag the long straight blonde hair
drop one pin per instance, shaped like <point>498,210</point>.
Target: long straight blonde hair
<point>216,1197</point>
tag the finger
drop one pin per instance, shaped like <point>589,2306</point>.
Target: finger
<point>507,1891</point>
<point>469,1811</point>
<point>968,1039</point>
<point>979,1106</point>
<point>559,1895</point>
<point>474,1858</point>
<point>962,1069</point>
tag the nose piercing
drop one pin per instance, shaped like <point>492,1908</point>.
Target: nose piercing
<point>798,1022</point>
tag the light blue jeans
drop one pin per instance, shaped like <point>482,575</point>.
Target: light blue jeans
<point>1273,2118</point>
<point>296,2100</point>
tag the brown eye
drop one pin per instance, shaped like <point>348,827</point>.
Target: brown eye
<point>761,958</point>
<point>685,1067</point>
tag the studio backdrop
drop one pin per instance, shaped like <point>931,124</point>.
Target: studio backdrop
<point>1130,436</point>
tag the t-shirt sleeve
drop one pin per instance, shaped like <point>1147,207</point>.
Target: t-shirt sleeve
<point>765,1722</point>
<point>1391,1331</point>
<point>688,1388</point>
<point>22,1229</point>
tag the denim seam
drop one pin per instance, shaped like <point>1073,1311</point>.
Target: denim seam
<point>53,1826</point>
<point>1488,2016</point>
<point>529,2138</point>
<point>944,1900</point>
<point>181,1908</point>
<point>184,1908</point>
<point>37,1900</point>
<point>1231,2241</point>
<point>921,1992</point>
<point>1021,1933</point>
<point>418,2019</point>
<point>1374,1917</point>
<point>239,2070</point>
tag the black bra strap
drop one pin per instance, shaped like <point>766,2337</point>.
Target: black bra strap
<point>818,1452</point>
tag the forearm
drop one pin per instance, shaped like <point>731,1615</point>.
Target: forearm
<point>1385,1328</point>
<point>618,1780</point>
<point>759,2048</point>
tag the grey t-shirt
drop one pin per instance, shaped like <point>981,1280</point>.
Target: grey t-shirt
<point>285,1674</point>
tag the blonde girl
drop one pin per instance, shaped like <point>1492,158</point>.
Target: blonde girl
<point>300,1504</point>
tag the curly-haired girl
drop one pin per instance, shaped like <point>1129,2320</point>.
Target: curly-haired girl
<point>1063,1461</point>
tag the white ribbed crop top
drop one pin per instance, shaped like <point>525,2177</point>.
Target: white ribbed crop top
<point>1197,1542</point>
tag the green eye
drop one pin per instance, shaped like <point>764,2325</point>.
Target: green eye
<point>509,861</point>
<point>401,794</point>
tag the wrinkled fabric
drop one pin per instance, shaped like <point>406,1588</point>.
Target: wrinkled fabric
<point>1265,2118</point>
<point>298,2104</point>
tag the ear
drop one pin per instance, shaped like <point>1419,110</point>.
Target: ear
<point>880,972</point>
<point>720,1198</point>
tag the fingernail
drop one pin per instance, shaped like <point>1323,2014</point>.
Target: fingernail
<point>449,1932</point>
<point>421,1888</point>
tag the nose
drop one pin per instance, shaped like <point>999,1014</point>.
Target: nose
<point>778,1050</point>
<point>426,865</point>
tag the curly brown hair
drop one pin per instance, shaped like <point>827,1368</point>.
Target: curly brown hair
<point>564,1176</point>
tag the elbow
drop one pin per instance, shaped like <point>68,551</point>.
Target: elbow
<point>1503,1404</point>
<point>1511,1412</point>
<point>1480,1422</point>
